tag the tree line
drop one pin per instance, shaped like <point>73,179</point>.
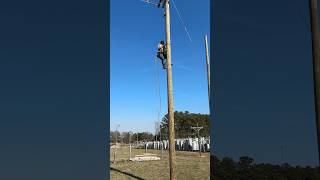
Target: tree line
<point>125,137</point>
<point>246,169</point>
<point>183,123</point>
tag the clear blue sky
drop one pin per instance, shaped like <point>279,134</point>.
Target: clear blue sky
<point>135,30</point>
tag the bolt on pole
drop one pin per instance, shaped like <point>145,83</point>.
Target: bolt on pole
<point>172,152</point>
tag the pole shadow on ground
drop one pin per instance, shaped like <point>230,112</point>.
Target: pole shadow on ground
<point>126,173</point>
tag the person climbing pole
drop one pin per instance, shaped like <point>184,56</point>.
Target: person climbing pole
<point>162,54</point>
<point>161,2</point>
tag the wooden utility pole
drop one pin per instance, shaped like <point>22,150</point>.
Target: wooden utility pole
<point>146,147</point>
<point>155,127</point>
<point>130,133</point>
<point>161,143</point>
<point>316,65</point>
<point>198,132</point>
<point>208,65</point>
<point>137,137</point>
<point>115,149</point>
<point>172,151</point>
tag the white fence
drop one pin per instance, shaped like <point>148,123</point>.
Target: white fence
<point>186,144</point>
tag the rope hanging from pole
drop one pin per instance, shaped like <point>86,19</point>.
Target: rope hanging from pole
<point>158,89</point>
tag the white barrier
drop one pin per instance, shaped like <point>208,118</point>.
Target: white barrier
<point>186,144</point>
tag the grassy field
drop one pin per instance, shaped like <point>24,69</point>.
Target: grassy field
<point>189,165</point>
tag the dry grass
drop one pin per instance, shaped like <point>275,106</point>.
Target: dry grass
<point>189,165</point>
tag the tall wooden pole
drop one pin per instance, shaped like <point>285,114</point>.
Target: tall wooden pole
<point>198,131</point>
<point>208,64</point>
<point>115,150</point>
<point>130,133</point>
<point>137,137</point>
<point>161,143</point>
<point>316,65</point>
<point>199,143</point>
<point>172,151</point>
